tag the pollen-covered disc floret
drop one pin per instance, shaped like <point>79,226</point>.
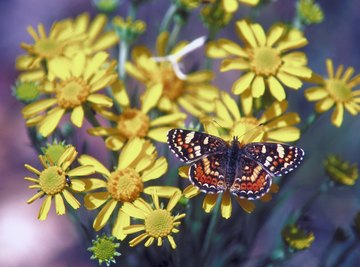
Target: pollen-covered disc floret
<point>55,181</point>
<point>133,123</point>
<point>158,222</point>
<point>125,185</point>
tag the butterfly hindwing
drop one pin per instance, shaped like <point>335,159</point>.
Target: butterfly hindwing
<point>251,180</point>
<point>277,159</point>
<point>208,173</point>
<point>189,145</point>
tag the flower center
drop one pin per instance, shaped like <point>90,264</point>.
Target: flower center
<point>159,223</point>
<point>132,123</point>
<point>72,93</point>
<point>125,185</point>
<point>265,60</point>
<point>338,89</point>
<point>173,87</point>
<point>52,180</point>
<point>48,48</point>
<point>248,130</point>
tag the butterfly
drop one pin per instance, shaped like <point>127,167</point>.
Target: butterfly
<point>244,170</point>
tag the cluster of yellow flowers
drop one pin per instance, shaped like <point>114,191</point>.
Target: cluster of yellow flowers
<point>72,73</point>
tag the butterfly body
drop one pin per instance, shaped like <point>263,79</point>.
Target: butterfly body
<point>244,170</point>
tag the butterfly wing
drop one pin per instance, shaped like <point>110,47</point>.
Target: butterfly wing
<point>251,180</point>
<point>189,146</point>
<point>277,159</point>
<point>208,174</point>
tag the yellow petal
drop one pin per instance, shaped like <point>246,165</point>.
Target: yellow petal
<point>324,104</point>
<point>77,116</point>
<point>93,183</point>
<point>114,142</point>
<point>289,80</point>
<point>102,100</point>
<point>130,152</point>
<point>299,71</point>
<point>100,81</point>
<point>231,105</point>
<point>82,171</point>
<point>172,119</point>
<point>243,83</point>
<point>222,112</point>
<point>60,67</point>
<point>159,134</point>
<point>230,5</point>
<point>38,106</point>
<point>274,35</point>
<point>133,71</point>
<point>200,76</point>
<point>284,134</point>
<point>161,43</point>
<point>35,197</point>
<point>120,93</point>
<point>97,26</point>
<point>191,191</point>
<point>133,211</point>
<point>189,107</point>
<point>99,167</point>
<point>287,45</point>
<point>244,31</point>
<point>232,48</point>
<point>247,102</point>
<point>94,200</point>
<point>51,121</point>
<point>45,208</point>
<point>258,86</point>
<point>183,171</point>
<point>316,93</point>
<point>259,34</point>
<point>78,64</point>
<point>106,41</point>
<point>159,168</point>
<point>234,64</point>
<point>151,97</point>
<point>162,191</point>
<point>209,202</point>
<point>138,239</point>
<point>103,217</point>
<point>338,115</point>
<point>59,205</point>
<point>226,206</point>
<point>122,220</point>
<point>288,119</point>
<point>295,58</point>
<point>94,64</point>
<point>134,228</point>
<point>330,68</point>
<point>173,200</point>
<point>171,241</point>
<point>214,50</point>
<point>276,89</point>
<point>77,185</point>
<point>71,200</point>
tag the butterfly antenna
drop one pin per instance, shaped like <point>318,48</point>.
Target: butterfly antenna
<point>255,127</point>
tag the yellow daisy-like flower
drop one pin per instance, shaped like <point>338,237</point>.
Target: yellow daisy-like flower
<point>265,59</point>
<point>76,83</point>
<point>274,125</point>
<point>55,181</point>
<point>297,238</point>
<point>137,164</point>
<point>133,122</point>
<point>232,5</point>
<point>336,90</point>
<point>211,199</point>
<point>195,93</point>
<point>340,171</point>
<point>59,43</point>
<point>159,223</point>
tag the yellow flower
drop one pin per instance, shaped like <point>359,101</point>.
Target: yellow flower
<point>336,90</point>
<point>59,43</point>
<point>215,16</point>
<point>232,5</point>
<point>297,238</point>
<point>195,94</point>
<point>211,199</point>
<point>309,11</point>
<point>273,125</point>
<point>128,29</point>
<point>137,164</point>
<point>265,59</point>
<point>54,181</point>
<point>133,122</point>
<point>340,171</point>
<point>158,223</point>
<point>75,83</point>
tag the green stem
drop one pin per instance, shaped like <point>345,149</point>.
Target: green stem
<point>123,56</point>
<point>211,36</point>
<point>310,121</point>
<point>174,35</point>
<point>168,17</point>
<point>210,230</point>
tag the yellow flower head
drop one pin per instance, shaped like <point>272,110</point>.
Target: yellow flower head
<point>159,223</point>
<point>341,171</point>
<point>74,84</point>
<point>55,181</point>
<point>134,122</point>
<point>297,238</point>
<point>274,125</point>
<point>232,5</point>
<point>309,11</point>
<point>137,164</point>
<point>104,249</point>
<point>265,59</point>
<point>336,90</point>
<point>210,200</point>
<point>128,29</point>
<point>195,93</point>
<point>215,15</point>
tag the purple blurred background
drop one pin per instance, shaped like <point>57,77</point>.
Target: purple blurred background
<point>25,241</point>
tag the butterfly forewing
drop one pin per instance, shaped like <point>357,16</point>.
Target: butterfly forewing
<point>251,181</point>
<point>208,173</point>
<point>189,145</point>
<point>277,159</point>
